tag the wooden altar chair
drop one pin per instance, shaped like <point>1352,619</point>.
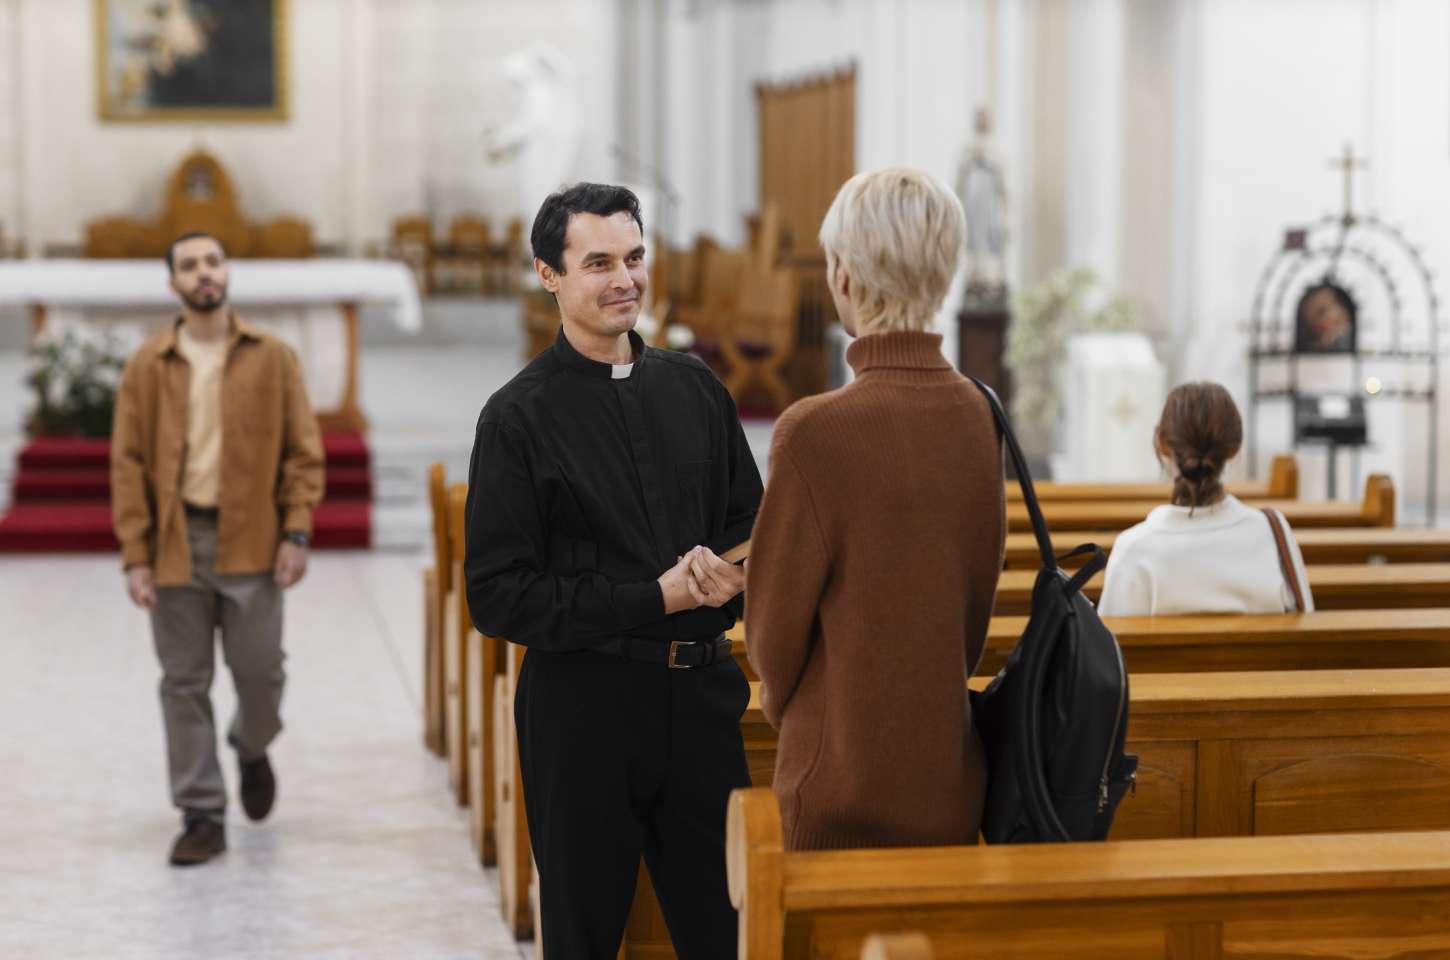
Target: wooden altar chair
<point>503,262</point>
<point>285,238</point>
<point>462,266</point>
<point>541,322</point>
<point>413,244</point>
<point>119,238</point>
<point>199,196</point>
<point>760,338</point>
<point>722,278</point>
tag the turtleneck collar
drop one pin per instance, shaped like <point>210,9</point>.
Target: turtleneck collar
<point>579,363</point>
<point>897,350</point>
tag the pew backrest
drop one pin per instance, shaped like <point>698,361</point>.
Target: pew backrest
<point>1364,894</point>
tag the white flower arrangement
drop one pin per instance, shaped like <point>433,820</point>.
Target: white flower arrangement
<point>1069,301</point>
<point>75,373</point>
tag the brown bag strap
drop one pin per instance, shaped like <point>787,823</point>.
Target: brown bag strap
<point>1286,562</point>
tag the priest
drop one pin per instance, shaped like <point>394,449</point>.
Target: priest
<point>607,478</point>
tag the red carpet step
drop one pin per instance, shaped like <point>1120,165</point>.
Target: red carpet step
<point>62,494</point>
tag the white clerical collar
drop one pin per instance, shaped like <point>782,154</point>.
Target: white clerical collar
<point>620,371</point>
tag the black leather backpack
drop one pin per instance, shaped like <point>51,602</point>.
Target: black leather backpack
<point>1055,717</point>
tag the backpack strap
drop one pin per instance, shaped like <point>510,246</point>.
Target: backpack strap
<point>1024,476</point>
<point>1286,561</point>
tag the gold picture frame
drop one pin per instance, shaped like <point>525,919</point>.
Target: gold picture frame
<point>210,61</point>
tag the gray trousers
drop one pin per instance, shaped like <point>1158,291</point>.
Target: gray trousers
<point>248,610</point>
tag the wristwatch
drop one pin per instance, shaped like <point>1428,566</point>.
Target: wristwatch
<point>297,537</point>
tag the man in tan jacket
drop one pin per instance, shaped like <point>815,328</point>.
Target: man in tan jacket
<point>216,466</point>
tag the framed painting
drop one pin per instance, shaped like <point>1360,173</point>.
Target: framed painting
<point>191,60</point>
<point>1326,320</point>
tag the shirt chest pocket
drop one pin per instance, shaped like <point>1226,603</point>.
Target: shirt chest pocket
<point>692,503</point>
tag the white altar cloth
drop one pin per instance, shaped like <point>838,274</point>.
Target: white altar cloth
<point>1112,395</point>
<point>143,283</point>
<point>297,300</point>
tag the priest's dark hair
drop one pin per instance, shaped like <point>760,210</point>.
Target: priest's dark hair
<point>552,220</point>
<point>188,235</point>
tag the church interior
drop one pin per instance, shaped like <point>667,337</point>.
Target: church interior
<point>1155,192</point>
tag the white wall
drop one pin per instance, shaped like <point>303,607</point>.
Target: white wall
<point>1279,87</point>
<point>388,103</point>
<point>9,120</point>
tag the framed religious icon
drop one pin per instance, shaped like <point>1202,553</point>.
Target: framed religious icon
<point>190,60</point>
<point>1326,320</point>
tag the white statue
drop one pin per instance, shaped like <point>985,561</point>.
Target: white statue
<point>983,194</point>
<point>541,140</point>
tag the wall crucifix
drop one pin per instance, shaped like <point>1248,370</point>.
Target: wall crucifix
<point>1347,163</point>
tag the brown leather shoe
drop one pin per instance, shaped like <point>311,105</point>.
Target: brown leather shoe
<point>199,842</point>
<point>259,787</point>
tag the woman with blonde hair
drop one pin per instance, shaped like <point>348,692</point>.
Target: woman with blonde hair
<point>878,544</point>
<point>1207,552</point>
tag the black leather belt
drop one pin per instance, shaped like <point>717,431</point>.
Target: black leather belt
<point>678,654</point>
<point>204,513</point>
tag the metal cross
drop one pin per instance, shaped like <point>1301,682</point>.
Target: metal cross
<point>1347,163</point>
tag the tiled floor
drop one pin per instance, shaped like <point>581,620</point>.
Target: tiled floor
<point>365,855</point>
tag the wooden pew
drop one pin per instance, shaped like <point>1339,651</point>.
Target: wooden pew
<point>1264,897</point>
<point>1318,544</point>
<point>515,857</point>
<point>1237,754</point>
<point>1335,586</point>
<point>1283,484</point>
<point>470,662</point>
<point>1376,510</point>
<point>1227,754</point>
<point>455,651</point>
<point>437,587</point>
<point>1324,640</point>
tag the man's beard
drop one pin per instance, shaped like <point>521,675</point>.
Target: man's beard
<point>200,305</point>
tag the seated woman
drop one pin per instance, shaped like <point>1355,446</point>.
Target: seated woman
<point>878,544</point>
<point>1208,552</point>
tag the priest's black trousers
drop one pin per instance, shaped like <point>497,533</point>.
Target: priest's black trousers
<point>622,759</point>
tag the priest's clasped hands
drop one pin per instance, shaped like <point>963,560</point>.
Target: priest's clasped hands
<point>700,579</point>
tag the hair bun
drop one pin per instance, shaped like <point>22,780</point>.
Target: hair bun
<point>1193,469</point>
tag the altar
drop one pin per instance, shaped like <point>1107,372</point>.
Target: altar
<point>311,304</point>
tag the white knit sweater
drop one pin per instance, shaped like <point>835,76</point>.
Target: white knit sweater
<point>1221,559</point>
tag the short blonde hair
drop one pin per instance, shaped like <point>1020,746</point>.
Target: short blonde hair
<point>899,233</point>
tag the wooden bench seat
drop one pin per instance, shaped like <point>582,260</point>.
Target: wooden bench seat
<point>1283,484</point>
<point>1324,640</point>
<point>1335,586</point>
<point>1267,897</point>
<point>1376,510</point>
<point>1318,544</point>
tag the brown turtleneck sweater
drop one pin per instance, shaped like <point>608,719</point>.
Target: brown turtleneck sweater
<point>873,572</point>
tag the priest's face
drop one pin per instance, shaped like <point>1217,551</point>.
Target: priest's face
<point>199,274</point>
<point>604,278</point>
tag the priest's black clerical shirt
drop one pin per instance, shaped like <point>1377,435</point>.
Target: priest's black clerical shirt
<point>588,481</point>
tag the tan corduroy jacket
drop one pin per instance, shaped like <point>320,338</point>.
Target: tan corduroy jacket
<point>271,462</point>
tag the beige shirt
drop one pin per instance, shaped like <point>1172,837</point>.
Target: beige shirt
<point>201,473</point>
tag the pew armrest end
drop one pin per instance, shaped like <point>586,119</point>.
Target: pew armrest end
<point>1379,500</point>
<point>755,869</point>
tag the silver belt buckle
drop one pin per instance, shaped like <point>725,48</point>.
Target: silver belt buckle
<point>675,646</point>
